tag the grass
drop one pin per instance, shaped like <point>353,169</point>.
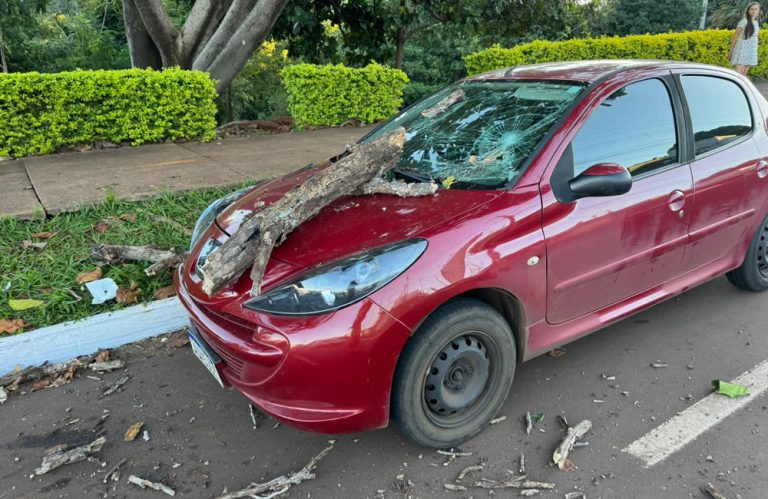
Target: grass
<point>50,274</point>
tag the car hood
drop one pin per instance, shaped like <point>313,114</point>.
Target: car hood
<point>352,223</point>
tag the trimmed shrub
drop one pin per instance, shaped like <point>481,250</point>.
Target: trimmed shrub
<point>333,94</point>
<point>39,113</point>
<point>708,47</point>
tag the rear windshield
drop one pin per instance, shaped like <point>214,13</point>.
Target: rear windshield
<point>478,134</point>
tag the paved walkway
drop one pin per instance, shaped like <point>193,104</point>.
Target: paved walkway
<point>54,183</point>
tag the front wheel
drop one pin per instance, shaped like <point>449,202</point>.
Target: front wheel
<point>454,374</point>
<point>752,275</point>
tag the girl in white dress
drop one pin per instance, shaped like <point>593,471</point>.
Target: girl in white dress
<point>743,53</point>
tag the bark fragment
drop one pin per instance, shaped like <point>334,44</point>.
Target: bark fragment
<point>443,105</point>
<point>257,236</point>
<point>398,188</point>
<point>144,484</point>
<point>58,456</point>
<point>160,259</point>
<point>560,455</point>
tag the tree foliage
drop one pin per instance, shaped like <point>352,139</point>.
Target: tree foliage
<point>636,17</point>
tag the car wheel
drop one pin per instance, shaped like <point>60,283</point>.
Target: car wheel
<point>454,374</point>
<point>752,275</point>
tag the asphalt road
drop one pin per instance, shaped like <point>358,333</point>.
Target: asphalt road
<point>202,440</point>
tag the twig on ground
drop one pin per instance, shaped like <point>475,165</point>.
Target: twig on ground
<point>282,483</point>
<point>141,482</point>
<point>521,468</point>
<point>528,423</point>
<point>113,473</point>
<point>61,455</point>
<point>160,259</point>
<point>566,445</point>
<point>116,386</point>
<point>469,469</point>
<point>520,482</point>
<point>710,489</point>
<point>110,365</point>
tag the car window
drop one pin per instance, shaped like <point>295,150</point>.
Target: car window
<point>634,127</point>
<point>479,134</point>
<point>719,111</point>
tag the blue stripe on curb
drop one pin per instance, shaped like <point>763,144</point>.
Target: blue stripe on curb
<point>65,341</point>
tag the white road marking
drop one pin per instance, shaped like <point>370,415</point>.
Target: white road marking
<point>673,435</point>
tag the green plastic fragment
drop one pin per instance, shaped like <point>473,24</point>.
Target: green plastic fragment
<point>537,418</point>
<point>730,389</point>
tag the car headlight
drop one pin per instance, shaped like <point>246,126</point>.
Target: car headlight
<point>213,210</point>
<point>341,283</point>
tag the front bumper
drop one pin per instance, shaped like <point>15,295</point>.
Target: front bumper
<point>329,373</point>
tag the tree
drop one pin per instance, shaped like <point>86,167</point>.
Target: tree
<point>636,17</point>
<point>218,36</point>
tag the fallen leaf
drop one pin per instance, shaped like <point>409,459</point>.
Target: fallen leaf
<point>27,244</point>
<point>100,228</point>
<point>538,417</point>
<point>10,326</point>
<point>89,276</point>
<point>43,235</point>
<point>133,431</point>
<point>178,339</point>
<point>24,304</point>
<point>102,356</point>
<point>165,292</point>
<point>128,217</point>
<point>127,296</point>
<point>730,389</point>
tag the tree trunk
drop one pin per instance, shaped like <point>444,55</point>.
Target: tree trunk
<point>2,52</point>
<point>143,51</point>
<point>400,54</point>
<point>703,21</point>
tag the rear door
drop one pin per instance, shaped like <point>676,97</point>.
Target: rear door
<point>726,167</point>
<point>602,250</point>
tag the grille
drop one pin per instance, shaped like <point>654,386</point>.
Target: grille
<point>234,364</point>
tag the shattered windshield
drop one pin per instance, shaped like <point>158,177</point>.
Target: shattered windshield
<point>477,134</point>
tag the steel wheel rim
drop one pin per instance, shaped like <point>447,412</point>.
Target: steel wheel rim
<point>460,379</point>
<point>762,251</point>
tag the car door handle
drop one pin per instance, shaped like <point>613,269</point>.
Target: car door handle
<point>762,169</point>
<point>676,200</point>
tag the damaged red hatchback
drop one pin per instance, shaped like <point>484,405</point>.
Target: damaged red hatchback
<point>572,195</point>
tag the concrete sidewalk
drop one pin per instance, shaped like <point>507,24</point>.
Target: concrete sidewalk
<point>54,183</point>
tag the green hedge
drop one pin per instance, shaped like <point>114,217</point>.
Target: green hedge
<point>39,113</point>
<point>708,47</point>
<point>331,95</point>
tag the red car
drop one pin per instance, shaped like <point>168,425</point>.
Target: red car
<point>572,196</point>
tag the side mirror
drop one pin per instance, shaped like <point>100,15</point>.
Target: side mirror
<point>602,179</point>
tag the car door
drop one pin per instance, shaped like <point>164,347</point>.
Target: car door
<point>601,250</point>
<point>726,167</point>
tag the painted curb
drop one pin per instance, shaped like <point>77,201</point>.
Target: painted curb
<point>65,341</point>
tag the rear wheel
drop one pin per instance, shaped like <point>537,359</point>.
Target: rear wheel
<point>752,275</point>
<point>454,374</point>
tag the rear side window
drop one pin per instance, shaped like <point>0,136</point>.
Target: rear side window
<point>634,127</point>
<point>719,112</point>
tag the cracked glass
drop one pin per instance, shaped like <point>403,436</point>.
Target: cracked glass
<point>477,135</point>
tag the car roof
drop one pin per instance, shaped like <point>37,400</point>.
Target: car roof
<point>580,71</point>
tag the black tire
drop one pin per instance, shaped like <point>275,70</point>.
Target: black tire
<point>444,392</point>
<point>752,275</point>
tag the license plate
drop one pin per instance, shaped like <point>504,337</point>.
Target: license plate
<point>203,352</point>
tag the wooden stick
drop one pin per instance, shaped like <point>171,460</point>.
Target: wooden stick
<point>68,455</point>
<point>566,445</point>
<point>160,259</point>
<point>143,483</point>
<point>253,242</point>
<point>710,489</point>
<point>281,483</point>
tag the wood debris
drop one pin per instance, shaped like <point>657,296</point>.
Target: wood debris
<point>566,445</point>
<point>114,473</point>
<point>110,365</point>
<point>3,395</point>
<point>282,483</point>
<point>712,491</point>
<point>498,420</point>
<point>27,244</point>
<point>469,469</point>
<point>400,188</point>
<point>144,484</point>
<point>452,455</point>
<point>253,242</point>
<point>133,431</point>
<point>520,482</point>
<point>528,423</point>
<point>62,455</point>
<point>116,386</point>
<point>530,492</point>
<point>160,259</point>
<point>439,108</point>
<point>455,487</point>
<point>521,467</point>
<point>575,495</point>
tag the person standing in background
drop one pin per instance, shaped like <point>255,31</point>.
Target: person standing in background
<point>743,53</point>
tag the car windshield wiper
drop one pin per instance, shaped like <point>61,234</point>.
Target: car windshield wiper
<point>413,175</point>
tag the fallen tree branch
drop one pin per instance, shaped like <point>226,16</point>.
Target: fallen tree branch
<point>520,482</point>
<point>144,484</point>
<point>566,445</point>
<point>58,456</point>
<point>398,188</point>
<point>253,242</point>
<point>160,259</point>
<point>282,483</point>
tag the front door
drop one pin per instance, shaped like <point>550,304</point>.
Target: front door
<point>601,250</point>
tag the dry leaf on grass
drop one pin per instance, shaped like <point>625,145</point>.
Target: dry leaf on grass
<point>10,326</point>
<point>127,296</point>
<point>128,217</point>
<point>165,292</point>
<point>133,431</point>
<point>89,276</point>
<point>100,228</point>
<point>27,244</point>
<point>43,235</point>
